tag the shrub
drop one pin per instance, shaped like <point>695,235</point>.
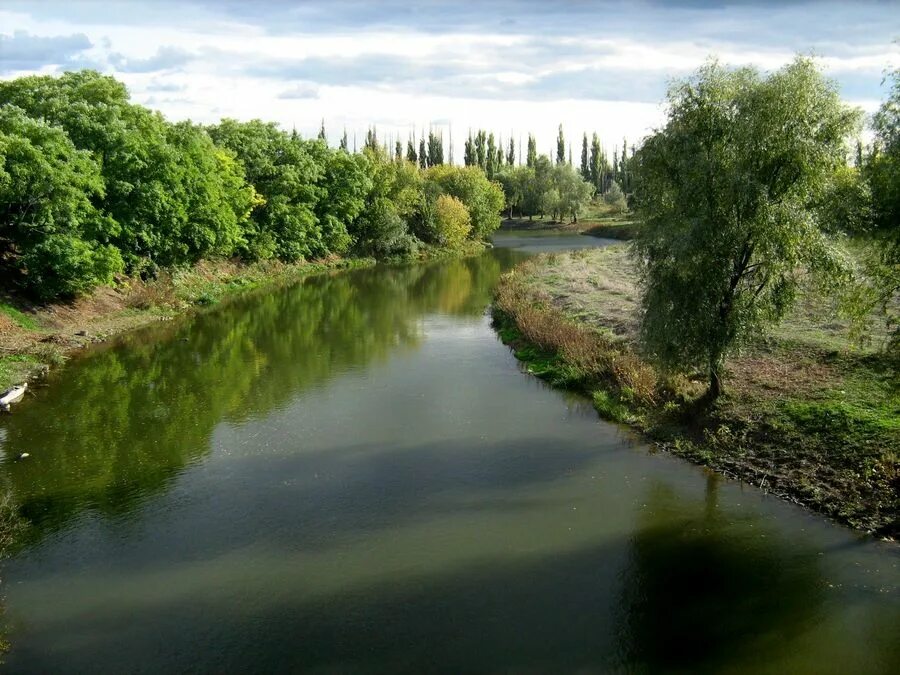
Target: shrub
<point>65,266</point>
<point>452,221</point>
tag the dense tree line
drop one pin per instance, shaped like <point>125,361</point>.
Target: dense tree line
<point>93,186</point>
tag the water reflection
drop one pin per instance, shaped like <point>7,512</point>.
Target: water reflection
<point>119,425</point>
<point>703,589</point>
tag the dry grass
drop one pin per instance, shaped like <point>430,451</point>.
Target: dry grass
<point>594,355</point>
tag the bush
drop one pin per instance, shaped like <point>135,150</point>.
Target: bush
<point>65,266</point>
<point>615,198</point>
<point>452,221</point>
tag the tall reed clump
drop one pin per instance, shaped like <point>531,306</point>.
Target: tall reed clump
<point>583,357</point>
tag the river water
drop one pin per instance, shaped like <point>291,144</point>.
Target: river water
<point>352,474</point>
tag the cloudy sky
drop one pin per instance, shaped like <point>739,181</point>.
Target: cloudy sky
<point>512,66</point>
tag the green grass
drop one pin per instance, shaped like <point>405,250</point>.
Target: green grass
<point>16,369</point>
<point>19,318</point>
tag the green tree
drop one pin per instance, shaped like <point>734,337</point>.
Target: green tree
<point>481,149</point>
<point>585,165</point>
<point>531,158</point>
<point>511,153</point>
<point>286,176</point>
<point>423,153</point>
<point>490,161</point>
<point>573,192</point>
<point>560,147</point>
<point>469,156</point>
<point>883,174</point>
<point>411,155</point>
<point>452,220</point>
<point>435,149</point>
<point>53,240</point>
<point>725,189</point>
<point>596,163</point>
<point>482,197</point>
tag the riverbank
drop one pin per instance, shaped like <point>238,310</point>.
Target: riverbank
<point>807,415</point>
<point>35,338</point>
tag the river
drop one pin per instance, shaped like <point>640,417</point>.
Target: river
<point>352,474</point>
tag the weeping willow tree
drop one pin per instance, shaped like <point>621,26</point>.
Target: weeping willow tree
<point>725,190</point>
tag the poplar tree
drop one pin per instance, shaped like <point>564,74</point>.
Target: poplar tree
<point>491,157</point>
<point>411,155</point>
<point>322,135</point>
<point>511,153</point>
<point>371,139</point>
<point>596,169</point>
<point>469,151</point>
<point>398,150</point>
<point>423,153</point>
<point>560,147</point>
<point>344,145</point>
<point>532,152</point>
<point>585,166</point>
<point>480,149</point>
<point>435,149</point>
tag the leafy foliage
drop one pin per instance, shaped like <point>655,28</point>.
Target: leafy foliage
<point>92,185</point>
<point>452,220</point>
<point>725,190</point>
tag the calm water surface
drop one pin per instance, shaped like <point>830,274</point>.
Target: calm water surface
<point>353,475</point>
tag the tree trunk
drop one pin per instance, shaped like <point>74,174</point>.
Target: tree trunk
<point>715,383</point>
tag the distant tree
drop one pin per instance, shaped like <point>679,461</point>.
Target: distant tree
<point>481,149</point>
<point>423,153</point>
<point>560,147</point>
<point>490,159</point>
<point>615,198</point>
<point>411,155</point>
<point>596,168</point>
<point>572,192</point>
<point>532,151</point>
<point>371,139</point>
<point>469,157</point>
<point>435,149</point>
<point>398,150</point>
<point>322,135</point>
<point>511,153</point>
<point>724,191</point>
<point>343,145</point>
<point>585,165</point>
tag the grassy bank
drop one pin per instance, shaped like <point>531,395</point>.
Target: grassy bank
<point>35,338</point>
<point>807,414</point>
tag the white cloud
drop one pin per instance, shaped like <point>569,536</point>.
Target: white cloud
<point>295,69</point>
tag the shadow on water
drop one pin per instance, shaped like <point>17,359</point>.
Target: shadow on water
<point>693,597</point>
<point>120,424</point>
